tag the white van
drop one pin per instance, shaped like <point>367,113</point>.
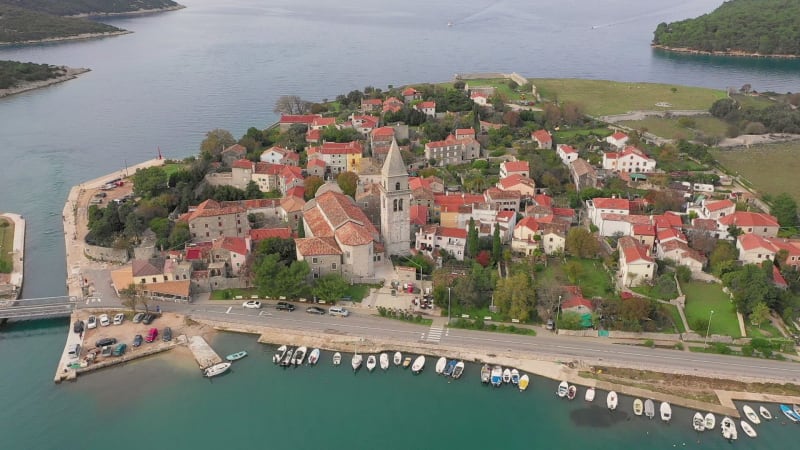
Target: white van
<point>75,351</point>
<point>338,311</point>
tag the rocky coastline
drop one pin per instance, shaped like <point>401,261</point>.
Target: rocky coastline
<point>737,53</point>
<point>71,73</point>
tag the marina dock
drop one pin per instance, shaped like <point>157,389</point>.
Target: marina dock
<point>203,353</point>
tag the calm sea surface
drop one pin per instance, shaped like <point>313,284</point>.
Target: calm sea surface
<point>223,64</point>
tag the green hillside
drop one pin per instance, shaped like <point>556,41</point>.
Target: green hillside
<point>19,25</point>
<point>766,27</point>
<point>13,73</point>
<point>76,7</point>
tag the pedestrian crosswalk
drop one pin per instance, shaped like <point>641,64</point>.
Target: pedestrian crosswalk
<point>435,333</point>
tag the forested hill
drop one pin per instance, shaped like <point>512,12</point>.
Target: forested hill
<point>89,7</point>
<point>764,27</point>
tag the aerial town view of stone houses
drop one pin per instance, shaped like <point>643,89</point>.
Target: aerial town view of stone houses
<point>503,209</point>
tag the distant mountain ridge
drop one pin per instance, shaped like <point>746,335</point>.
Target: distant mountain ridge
<point>737,27</point>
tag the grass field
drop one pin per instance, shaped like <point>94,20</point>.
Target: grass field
<point>771,169</point>
<point>6,242</point>
<point>611,97</point>
<point>676,317</point>
<point>593,280</point>
<point>670,129</point>
<point>701,299</point>
<point>500,85</point>
<point>171,168</point>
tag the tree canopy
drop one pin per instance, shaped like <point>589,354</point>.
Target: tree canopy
<point>784,208</point>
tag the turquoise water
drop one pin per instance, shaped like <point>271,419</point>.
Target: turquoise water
<point>163,401</point>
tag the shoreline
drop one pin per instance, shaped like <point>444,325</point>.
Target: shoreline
<point>138,12</point>
<point>740,54</point>
<point>17,274</point>
<point>71,74</point>
<point>77,37</point>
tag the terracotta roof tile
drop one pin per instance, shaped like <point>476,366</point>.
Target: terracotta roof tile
<point>317,246</point>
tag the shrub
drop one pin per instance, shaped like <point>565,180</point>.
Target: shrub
<point>684,274</point>
<point>747,350</point>
<point>679,346</point>
<point>649,343</point>
<point>722,349</point>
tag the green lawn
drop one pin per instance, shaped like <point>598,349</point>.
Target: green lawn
<point>601,97</point>
<point>562,135</point>
<point>771,169</point>
<point>670,129</point>
<point>767,330</point>
<point>230,294</point>
<point>171,168</point>
<point>594,280</point>
<point>748,101</point>
<point>701,299</point>
<point>676,317</point>
<point>6,242</point>
<point>357,292</point>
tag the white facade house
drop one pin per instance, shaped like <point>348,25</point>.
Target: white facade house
<point>631,160</point>
<point>636,266</point>
<point>433,237</point>
<point>618,139</point>
<point>596,207</point>
<point>566,153</point>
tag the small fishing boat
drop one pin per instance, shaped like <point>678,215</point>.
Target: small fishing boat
<point>729,429</point>
<point>236,356</point>
<point>449,368</point>
<point>748,429</point>
<point>649,408</point>
<point>486,374</point>
<point>666,412</point>
<point>571,392</point>
<point>514,376</point>
<point>356,361</point>
<point>299,355</point>
<point>787,411</point>
<point>638,407</point>
<point>441,363</point>
<point>371,362</point>
<point>765,413</point>
<point>406,362</point>
<point>458,370</point>
<point>751,415</point>
<point>497,376</point>
<point>287,358</point>
<point>796,409</point>
<point>711,421</point>
<point>278,356</point>
<point>506,375</point>
<point>419,364</point>
<point>313,358</point>
<point>589,396</point>
<point>384,361</point>
<point>698,422</point>
<point>523,382</point>
<point>563,387</point>
<point>398,358</point>
<point>337,358</point>
<point>611,400</point>
<point>216,369</point>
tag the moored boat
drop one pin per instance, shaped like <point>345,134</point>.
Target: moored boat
<point>337,358</point>
<point>441,363</point>
<point>787,411</point>
<point>571,392</point>
<point>497,376</point>
<point>751,415</point>
<point>371,362</point>
<point>728,427</point>
<point>236,356</point>
<point>486,374</point>
<point>406,362</point>
<point>589,396</point>
<point>611,400</point>
<point>698,422</point>
<point>313,358</point>
<point>563,387</point>
<point>299,355</point>
<point>216,369</point>
<point>384,361</point>
<point>523,382</point>
<point>449,368</point>
<point>649,408</point>
<point>506,375</point>
<point>638,407</point>
<point>398,358</point>
<point>278,356</point>
<point>287,357</point>
<point>765,413</point>
<point>711,421</point>
<point>356,361</point>
<point>458,370</point>
<point>796,409</point>
<point>748,429</point>
<point>666,411</point>
<point>514,376</point>
<point>419,364</point>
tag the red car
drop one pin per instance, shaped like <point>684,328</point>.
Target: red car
<point>151,335</point>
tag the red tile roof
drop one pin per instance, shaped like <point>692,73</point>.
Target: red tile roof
<point>749,219</point>
<point>299,118</point>
<point>529,223</point>
<point>632,250</point>
<point>670,234</point>
<point>611,203</point>
<point>426,105</point>
<point>457,199</point>
<point>516,166</point>
<point>452,232</point>
<point>668,220</point>
<point>505,215</point>
<point>313,135</point>
<point>210,208</point>
<point>644,230</point>
<point>353,234</point>
<point>336,148</point>
<point>418,215</point>
<point>494,193</point>
<point>564,212</point>
<point>566,149</point>
<point>619,135</point>
<point>383,132</point>
<point>317,246</point>
<point>575,302</point>
<point>259,234</point>
<point>409,91</point>
<point>323,122</point>
<point>233,244</point>
<point>516,180</point>
<point>465,132</point>
<point>316,162</point>
<point>194,253</point>
<point>542,136</point>
<point>719,204</point>
<point>242,164</point>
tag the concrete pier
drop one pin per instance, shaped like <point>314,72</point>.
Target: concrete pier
<point>17,252</point>
<point>64,371</point>
<point>203,353</point>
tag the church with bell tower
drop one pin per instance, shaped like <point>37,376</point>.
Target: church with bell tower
<point>395,204</point>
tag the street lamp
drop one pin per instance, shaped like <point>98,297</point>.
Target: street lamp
<point>448,305</point>
<point>705,341</point>
<point>558,310</point>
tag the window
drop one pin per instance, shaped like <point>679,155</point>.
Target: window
<point>397,186</point>
<point>401,204</point>
<point>154,280</point>
<point>394,207</point>
<point>333,266</point>
<point>314,261</point>
<point>206,225</point>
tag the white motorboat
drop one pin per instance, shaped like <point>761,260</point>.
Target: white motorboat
<point>666,412</point>
<point>572,391</point>
<point>459,370</point>
<point>299,355</point>
<point>371,362</point>
<point>711,421</point>
<point>398,358</point>
<point>507,375</point>
<point>751,415</point>
<point>497,376</point>
<point>589,396</point>
<point>649,408</point>
<point>729,429</point>
<point>419,364</point>
<point>698,422</point>
<point>441,363</point>
<point>287,358</point>
<point>765,413</point>
<point>337,358</point>
<point>486,374</point>
<point>638,407</point>
<point>748,429</point>
<point>216,369</point>
<point>562,390</point>
<point>278,356</point>
<point>384,361</point>
<point>611,400</point>
<point>523,382</point>
<point>313,358</point>
<point>356,361</point>
<point>514,376</point>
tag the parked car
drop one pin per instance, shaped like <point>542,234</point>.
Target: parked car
<point>91,322</point>
<point>167,336</point>
<point>338,311</point>
<point>104,322</point>
<point>137,318</point>
<point>105,342</point>
<point>119,350</point>
<point>78,327</point>
<point>106,351</point>
<point>119,318</point>
<point>315,310</point>
<point>148,318</point>
<point>252,304</point>
<point>151,335</point>
<point>550,324</point>
<point>137,340</point>
<point>284,306</point>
